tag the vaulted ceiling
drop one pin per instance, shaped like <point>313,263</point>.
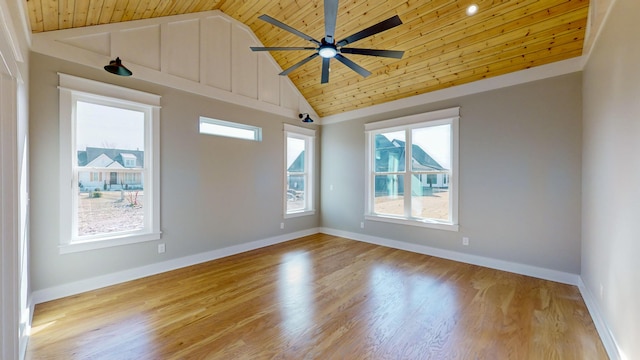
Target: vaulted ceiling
<point>443,45</point>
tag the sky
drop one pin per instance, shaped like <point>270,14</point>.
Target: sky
<point>294,148</point>
<point>106,126</point>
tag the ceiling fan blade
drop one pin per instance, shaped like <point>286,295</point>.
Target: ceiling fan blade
<point>372,30</point>
<point>325,70</point>
<point>288,28</point>
<point>258,48</point>
<point>373,52</point>
<point>355,67</point>
<point>330,18</point>
<point>304,61</point>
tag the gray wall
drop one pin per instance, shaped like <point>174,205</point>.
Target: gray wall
<point>520,168</point>
<point>611,175</point>
<point>215,192</point>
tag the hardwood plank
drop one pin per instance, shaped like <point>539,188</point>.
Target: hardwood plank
<point>434,32</point>
<point>66,12</point>
<point>321,297</point>
<point>80,13</point>
<point>420,50</point>
<point>119,10</point>
<point>108,9</point>
<point>447,65</point>
<point>95,11</point>
<point>50,15</point>
<point>36,20</point>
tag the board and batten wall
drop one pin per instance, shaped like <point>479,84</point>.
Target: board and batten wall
<point>520,184</point>
<point>216,193</point>
<point>611,176</point>
<point>205,53</point>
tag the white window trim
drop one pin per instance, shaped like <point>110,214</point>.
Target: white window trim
<point>309,135</point>
<point>433,118</point>
<point>71,89</point>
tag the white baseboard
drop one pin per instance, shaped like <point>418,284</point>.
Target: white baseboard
<point>81,286</point>
<point>609,342</point>
<point>522,269</point>
<point>77,287</point>
<point>611,346</point>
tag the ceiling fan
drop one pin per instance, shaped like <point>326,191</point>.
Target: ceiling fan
<point>328,48</point>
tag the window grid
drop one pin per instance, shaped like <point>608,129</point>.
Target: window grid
<point>298,187</point>
<point>405,191</point>
<point>110,170</point>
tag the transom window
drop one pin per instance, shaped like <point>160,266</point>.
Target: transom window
<point>109,150</point>
<point>412,167</point>
<point>217,127</point>
<point>299,154</point>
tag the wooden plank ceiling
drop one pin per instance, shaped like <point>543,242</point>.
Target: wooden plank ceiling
<point>443,46</point>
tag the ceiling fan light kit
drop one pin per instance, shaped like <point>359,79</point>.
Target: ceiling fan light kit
<point>328,48</point>
<point>327,51</point>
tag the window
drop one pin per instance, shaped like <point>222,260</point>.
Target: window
<point>299,155</point>
<point>110,160</point>
<point>229,129</point>
<point>412,170</point>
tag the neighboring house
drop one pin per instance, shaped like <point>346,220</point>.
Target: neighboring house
<point>110,169</point>
<point>296,178</point>
<point>390,157</point>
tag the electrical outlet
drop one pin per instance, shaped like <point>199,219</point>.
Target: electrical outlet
<point>362,225</point>
<point>465,241</point>
<point>161,248</point>
<point>281,225</point>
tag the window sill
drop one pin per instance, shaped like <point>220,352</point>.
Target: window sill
<point>299,213</point>
<point>420,223</point>
<point>107,242</point>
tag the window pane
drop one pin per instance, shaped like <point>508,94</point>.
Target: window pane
<point>298,171</point>
<point>109,140</point>
<point>430,196</point>
<point>431,148</point>
<point>295,155</point>
<point>296,192</point>
<point>229,129</point>
<point>389,152</point>
<point>389,195</point>
<point>99,126</point>
<point>296,178</point>
<point>103,209</point>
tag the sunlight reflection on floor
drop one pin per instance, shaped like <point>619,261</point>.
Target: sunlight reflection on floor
<point>295,288</point>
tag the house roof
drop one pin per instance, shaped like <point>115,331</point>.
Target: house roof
<point>443,46</point>
<point>421,159</point>
<point>117,156</point>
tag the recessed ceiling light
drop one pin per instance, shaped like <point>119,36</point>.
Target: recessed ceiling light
<point>472,9</point>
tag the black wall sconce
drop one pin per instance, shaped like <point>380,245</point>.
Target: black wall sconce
<point>116,67</point>
<point>305,118</point>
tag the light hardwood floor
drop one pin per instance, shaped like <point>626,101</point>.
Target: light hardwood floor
<point>321,297</point>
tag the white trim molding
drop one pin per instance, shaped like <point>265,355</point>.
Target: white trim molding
<point>10,336</point>
<point>609,342</point>
<point>220,64</point>
<point>516,268</point>
<point>101,281</point>
<point>519,77</point>
<point>448,117</point>
<point>73,90</point>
